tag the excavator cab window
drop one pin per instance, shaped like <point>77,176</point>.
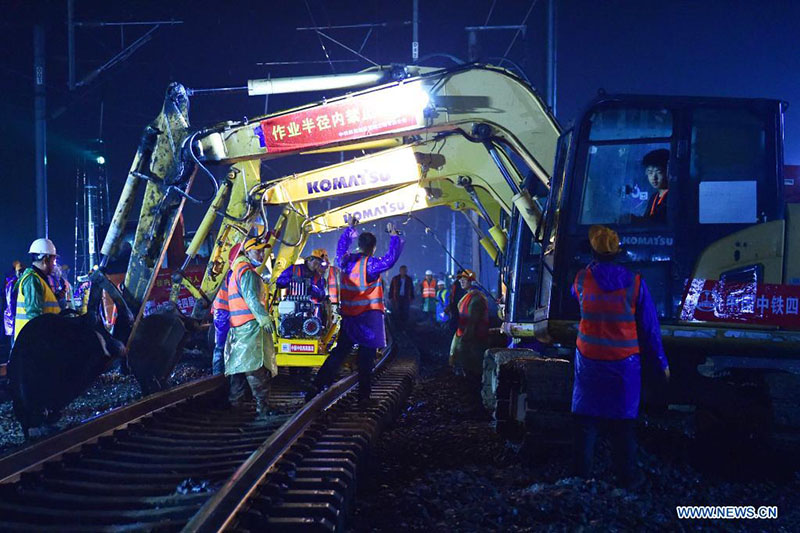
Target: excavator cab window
<point>727,162</point>
<point>626,167</point>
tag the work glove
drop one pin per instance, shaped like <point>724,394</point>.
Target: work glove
<point>268,327</point>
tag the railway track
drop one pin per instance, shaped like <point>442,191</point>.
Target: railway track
<point>178,461</point>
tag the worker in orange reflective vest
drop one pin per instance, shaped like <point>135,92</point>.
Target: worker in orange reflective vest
<point>249,348</point>
<point>428,290</point>
<point>618,323</point>
<point>331,274</point>
<point>471,338</point>
<point>361,306</point>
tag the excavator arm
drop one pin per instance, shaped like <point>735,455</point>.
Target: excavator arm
<point>493,109</point>
<point>401,201</point>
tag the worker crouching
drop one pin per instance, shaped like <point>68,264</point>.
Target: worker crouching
<point>249,349</point>
<point>618,323</point>
<point>471,338</point>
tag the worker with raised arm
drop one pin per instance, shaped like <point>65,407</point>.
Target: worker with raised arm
<point>618,323</point>
<point>249,349</point>
<point>361,306</point>
<point>35,296</point>
<point>471,338</point>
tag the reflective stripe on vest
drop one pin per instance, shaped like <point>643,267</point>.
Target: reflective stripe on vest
<point>49,306</point>
<point>429,288</point>
<point>463,314</point>
<point>608,319</point>
<point>221,300</point>
<point>240,314</point>
<point>333,284</point>
<point>359,296</point>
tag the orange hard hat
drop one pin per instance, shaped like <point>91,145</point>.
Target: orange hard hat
<point>469,274</point>
<point>322,253</point>
<point>604,241</point>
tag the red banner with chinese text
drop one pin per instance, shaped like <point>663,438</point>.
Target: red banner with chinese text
<point>392,110</point>
<point>744,303</point>
<point>159,296</point>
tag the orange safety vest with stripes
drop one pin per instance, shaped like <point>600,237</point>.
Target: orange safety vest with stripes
<point>607,330</point>
<point>429,288</point>
<point>240,314</point>
<point>358,295</point>
<point>333,284</point>
<point>221,300</point>
<point>464,316</point>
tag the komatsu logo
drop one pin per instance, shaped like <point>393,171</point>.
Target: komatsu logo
<point>368,213</point>
<point>346,182</point>
<point>658,240</point>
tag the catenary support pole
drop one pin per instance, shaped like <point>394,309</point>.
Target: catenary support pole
<point>415,33</point>
<point>551,55</point>
<point>40,131</point>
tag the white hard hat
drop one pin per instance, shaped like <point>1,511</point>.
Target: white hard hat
<point>43,246</point>
<point>429,272</point>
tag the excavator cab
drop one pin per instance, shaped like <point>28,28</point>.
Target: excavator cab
<point>693,187</point>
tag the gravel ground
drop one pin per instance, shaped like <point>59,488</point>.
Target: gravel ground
<point>441,467</point>
<point>109,391</point>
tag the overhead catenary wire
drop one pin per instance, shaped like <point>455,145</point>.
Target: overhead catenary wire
<point>516,33</point>
<point>489,15</point>
<point>322,44</point>
<point>430,231</point>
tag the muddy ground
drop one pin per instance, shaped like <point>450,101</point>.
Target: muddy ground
<point>442,467</point>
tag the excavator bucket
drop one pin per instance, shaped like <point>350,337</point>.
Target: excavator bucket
<point>54,360</point>
<point>156,347</point>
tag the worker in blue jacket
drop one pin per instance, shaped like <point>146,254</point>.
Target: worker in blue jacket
<point>618,326</point>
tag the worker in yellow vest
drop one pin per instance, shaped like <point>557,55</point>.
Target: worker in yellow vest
<point>472,336</point>
<point>249,348</point>
<point>35,296</point>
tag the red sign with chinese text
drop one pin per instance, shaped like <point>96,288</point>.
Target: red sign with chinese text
<point>745,303</point>
<point>386,111</point>
<point>159,296</point>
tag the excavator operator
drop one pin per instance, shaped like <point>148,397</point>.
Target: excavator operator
<point>311,269</point>
<point>331,274</point>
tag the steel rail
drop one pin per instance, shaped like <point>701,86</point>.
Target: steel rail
<point>220,510</point>
<point>35,455</point>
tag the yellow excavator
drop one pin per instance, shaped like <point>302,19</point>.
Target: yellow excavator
<point>491,110</point>
<point>721,264</point>
<point>445,185</point>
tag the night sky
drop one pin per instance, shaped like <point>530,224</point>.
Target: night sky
<point>728,48</point>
